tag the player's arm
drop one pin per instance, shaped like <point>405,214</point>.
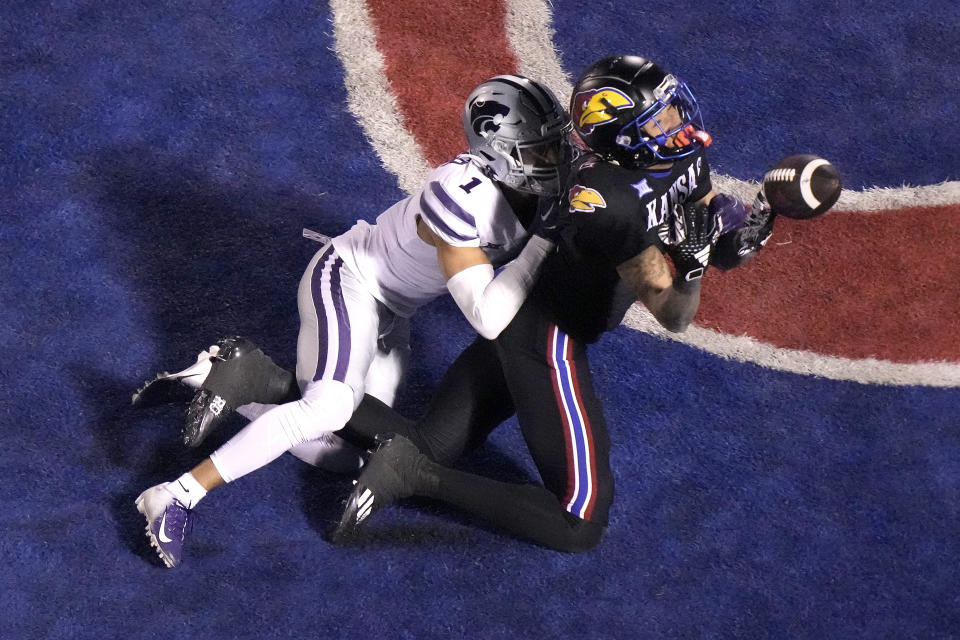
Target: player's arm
<point>672,302</point>
<point>488,301</point>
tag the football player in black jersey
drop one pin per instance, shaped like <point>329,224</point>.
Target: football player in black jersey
<point>639,192</point>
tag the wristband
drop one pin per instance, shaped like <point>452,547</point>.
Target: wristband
<point>684,285</point>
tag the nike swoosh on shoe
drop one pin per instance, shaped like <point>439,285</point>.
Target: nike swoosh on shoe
<point>163,534</point>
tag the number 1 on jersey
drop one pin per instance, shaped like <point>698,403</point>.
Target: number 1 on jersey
<point>470,185</point>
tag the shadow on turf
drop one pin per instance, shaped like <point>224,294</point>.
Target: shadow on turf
<point>205,258</point>
<point>206,261</point>
<point>145,443</point>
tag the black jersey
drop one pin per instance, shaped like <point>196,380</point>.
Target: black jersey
<point>611,214</point>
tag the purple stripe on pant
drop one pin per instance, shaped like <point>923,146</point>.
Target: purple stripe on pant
<point>338,315</point>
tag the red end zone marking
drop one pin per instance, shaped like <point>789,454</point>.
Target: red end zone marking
<point>435,54</point>
<point>850,284</point>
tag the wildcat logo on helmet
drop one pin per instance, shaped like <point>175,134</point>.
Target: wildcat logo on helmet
<point>599,106</point>
<point>584,200</point>
<point>486,116</point>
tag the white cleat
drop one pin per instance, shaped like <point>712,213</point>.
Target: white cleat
<point>168,387</point>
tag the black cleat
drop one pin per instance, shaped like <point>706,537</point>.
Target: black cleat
<point>205,413</point>
<point>240,374</point>
<point>393,472</point>
<point>209,409</point>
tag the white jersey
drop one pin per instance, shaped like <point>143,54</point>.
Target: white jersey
<point>460,204</point>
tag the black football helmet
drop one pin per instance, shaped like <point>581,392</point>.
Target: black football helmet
<point>617,96</point>
<point>516,128</point>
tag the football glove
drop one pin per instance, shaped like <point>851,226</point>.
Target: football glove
<point>547,221</point>
<point>694,242</point>
<point>739,244</point>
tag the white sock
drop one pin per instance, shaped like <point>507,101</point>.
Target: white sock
<point>187,490</point>
<point>326,406</point>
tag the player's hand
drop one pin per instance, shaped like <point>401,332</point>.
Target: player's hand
<point>738,245</point>
<point>547,221</point>
<point>758,224</point>
<point>691,253</point>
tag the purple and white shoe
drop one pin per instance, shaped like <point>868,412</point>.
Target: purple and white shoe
<point>167,522</point>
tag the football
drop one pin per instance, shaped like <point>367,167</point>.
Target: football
<point>802,186</point>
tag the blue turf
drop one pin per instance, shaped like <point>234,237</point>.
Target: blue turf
<point>868,85</point>
<point>159,162</point>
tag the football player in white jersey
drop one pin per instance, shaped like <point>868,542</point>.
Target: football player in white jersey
<point>473,215</point>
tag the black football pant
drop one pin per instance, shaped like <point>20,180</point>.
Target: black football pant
<point>543,375</point>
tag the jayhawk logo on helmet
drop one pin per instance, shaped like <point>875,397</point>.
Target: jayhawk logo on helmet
<point>585,200</point>
<point>598,106</point>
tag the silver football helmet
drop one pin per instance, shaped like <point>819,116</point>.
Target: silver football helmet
<point>516,127</point>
